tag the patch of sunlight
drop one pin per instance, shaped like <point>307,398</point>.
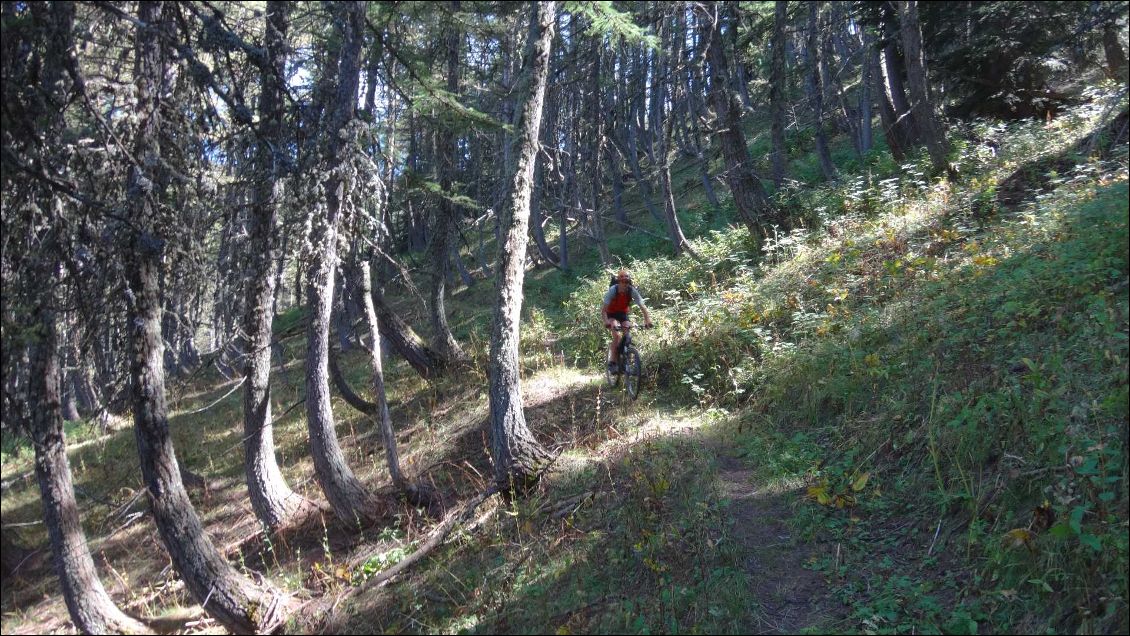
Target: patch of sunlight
<point>553,382</point>
<point>783,485</point>
<point>210,390</point>
<point>650,426</point>
<point>462,625</point>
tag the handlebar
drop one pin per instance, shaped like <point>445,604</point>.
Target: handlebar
<point>623,327</point>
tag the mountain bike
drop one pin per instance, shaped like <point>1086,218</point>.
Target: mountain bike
<point>630,364</point>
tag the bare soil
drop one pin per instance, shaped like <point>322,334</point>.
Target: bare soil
<point>791,597</point>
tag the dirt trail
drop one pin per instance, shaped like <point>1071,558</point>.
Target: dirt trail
<point>791,597</point>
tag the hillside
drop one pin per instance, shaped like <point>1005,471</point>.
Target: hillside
<point>906,415</point>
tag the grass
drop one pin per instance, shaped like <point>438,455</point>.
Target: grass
<point>930,374</point>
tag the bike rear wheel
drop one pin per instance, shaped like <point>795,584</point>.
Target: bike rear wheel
<point>633,369</point>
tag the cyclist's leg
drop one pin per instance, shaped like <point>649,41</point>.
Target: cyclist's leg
<point>614,321</point>
<point>614,346</point>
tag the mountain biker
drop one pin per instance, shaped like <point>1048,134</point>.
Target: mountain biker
<point>617,302</point>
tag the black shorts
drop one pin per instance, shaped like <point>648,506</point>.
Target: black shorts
<point>618,315</point>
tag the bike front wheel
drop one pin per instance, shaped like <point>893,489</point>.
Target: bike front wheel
<point>633,370</point>
<point>611,375</point>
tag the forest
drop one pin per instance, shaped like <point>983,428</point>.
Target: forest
<point>306,322</point>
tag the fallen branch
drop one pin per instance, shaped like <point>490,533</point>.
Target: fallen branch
<point>431,544</point>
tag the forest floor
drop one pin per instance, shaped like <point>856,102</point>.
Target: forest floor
<point>792,597</point>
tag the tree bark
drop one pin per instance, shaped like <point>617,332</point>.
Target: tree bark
<point>343,490</point>
<point>632,133</point>
<point>815,90</point>
<point>674,228</point>
<point>235,601</point>
<point>443,342</point>
<point>90,607</point>
<point>898,122</point>
<point>381,416</point>
<point>777,93</point>
<point>404,339</point>
<point>926,120</point>
<point>865,101</point>
<point>536,223</point>
<point>518,457</point>
<point>1115,55</point>
<point>750,198</point>
<point>275,504</point>
<point>595,145</point>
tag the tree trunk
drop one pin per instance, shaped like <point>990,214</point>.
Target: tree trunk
<point>868,69</point>
<point>674,228</point>
<point>632,133</point>
<point>1115,54</point>
<point>382,417</point>
<point>739,79</point>
<point>91,608</point>
<point>443,342</point>
<point>642,180</point>
<point>403,339</point>
<point>889,120</point>
<point>832,44</point>
<point>777,93</point>
<point>536,223</point>
<point>815,90</point>
<point>340,318</point>
<point>901,128</point>
<point>275,504</point>
<point>930,129</point>
<point>595,145</point>
<point>235,601</point>
<point>343,490</point>
<point>750,199</point>
<point>70,397</point>
<point>518,457</point>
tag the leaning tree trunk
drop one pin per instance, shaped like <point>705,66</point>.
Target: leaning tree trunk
<point>272,499</point>
<point>899,123</point>
<point>343,490</point>
<point>887,116</point>
<point>536,224</point>
<point>234,600</point>
<point>750,198</point>
<point>868,68</point>
<point>404,340</point>
<point>777,93</point>
<point>382,417</point>
<point>1112,48</point>
<point>442,341</point>
<point>596,141</point>
<point>674,228</point>
<point>91,608</point>
<point>815,91</point>
<point>518,457</point>
<point>929,128</point>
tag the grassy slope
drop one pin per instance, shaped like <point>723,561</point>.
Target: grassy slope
<point>910,381</point>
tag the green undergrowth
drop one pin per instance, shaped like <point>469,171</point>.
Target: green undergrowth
<point>640,547</point>
<point>944,367</point>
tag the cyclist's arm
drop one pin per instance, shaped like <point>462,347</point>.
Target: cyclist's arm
<point>639,301</point>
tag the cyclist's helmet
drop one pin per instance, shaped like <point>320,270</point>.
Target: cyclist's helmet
<point>622,275</point>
